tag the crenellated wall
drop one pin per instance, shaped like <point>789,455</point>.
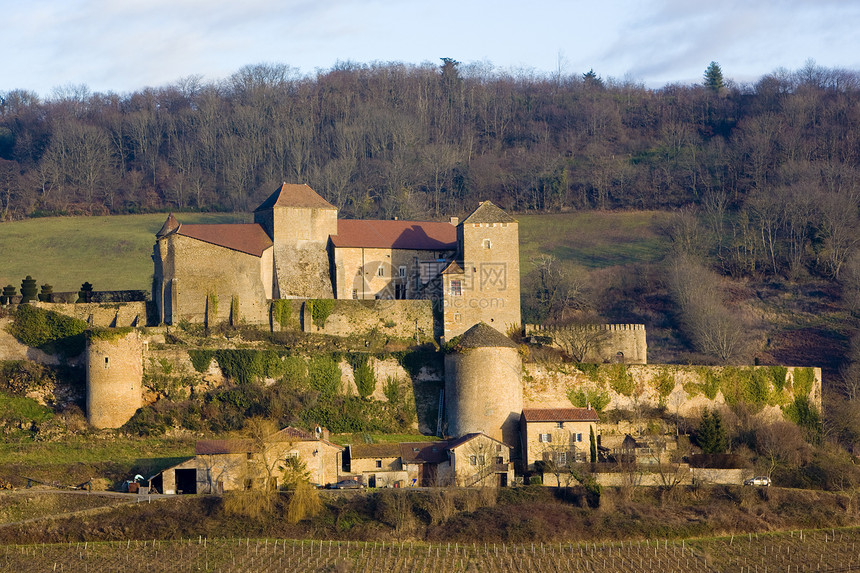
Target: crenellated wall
<point>599,343</point>
<point>104,315</point>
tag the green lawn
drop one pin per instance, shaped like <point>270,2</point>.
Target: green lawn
<point>593,239</point>
<point>112,253</point>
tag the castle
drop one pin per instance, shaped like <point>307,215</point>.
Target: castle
<point>297,248</point>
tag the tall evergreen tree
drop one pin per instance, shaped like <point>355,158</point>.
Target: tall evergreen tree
<point>712,436</point>
<point>714,77</point>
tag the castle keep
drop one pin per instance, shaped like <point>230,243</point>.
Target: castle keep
<point>297,248</point>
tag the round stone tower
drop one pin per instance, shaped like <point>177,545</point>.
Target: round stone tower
<point>484,386</point>
<point>114,378</point>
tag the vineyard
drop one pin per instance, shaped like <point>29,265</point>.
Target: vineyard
<point>820,550</point>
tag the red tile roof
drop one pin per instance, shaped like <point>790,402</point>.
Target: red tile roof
<point>292,195</point>
<point>247,238</point>
<point>386,234</point>
<point>560,415</point>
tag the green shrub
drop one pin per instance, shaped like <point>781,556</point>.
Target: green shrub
<point>49,330</point>
<point>590,370</point>
<point>325,374</point>
<point>582,398</point>
<point>201,359</point>
<point>320,309</point>
<point>803,413</point>
<point>246,365</point>
<point>392,390</point>
<point>47,291</point>
<point>296,371</point>
<point>8,292</point>
<point>28,289</point>
<point>620,380</point>
<point>365,379</point>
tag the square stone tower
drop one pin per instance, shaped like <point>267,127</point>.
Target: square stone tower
<point>483,284</point>
<point>299,223</point>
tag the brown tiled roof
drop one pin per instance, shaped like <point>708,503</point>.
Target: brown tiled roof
<point>560,415</point>
<point>170,225</point>
<point>363,451</point>
<point>224,447</point>
<point>482,335</point>
<point>487,212</point>
<point>469,437</point>
<point>423,452</point>
<point>387,234</point>
<point>454,269</point>
<point>292,195</point>
<point>247,238</point>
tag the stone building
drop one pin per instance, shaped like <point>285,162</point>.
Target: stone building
<point>297,248</point>
<point>483,385</point>
<point>559,435</point>
<point>114,378</point>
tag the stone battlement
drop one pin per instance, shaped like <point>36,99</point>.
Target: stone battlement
<point>538,328</point>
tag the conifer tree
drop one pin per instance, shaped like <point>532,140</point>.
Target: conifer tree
<point>714,77</point>
<point>712,436</point>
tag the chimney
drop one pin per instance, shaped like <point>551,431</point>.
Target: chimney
<point>455,221</point>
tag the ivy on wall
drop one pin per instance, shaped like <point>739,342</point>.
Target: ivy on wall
<point>320,309</point>
<point>48,330</point>
<point>282,312</point>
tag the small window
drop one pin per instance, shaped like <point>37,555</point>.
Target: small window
<point>562,457</point>
<point>473,460</point>
<point>107,362</point>
<point>378,463</point>
<point>380,272</point>
<point>500,460</point>
<point>457,317</point>
<point>559,425</point>
<point>482,459</point>
<point>354,294</point>
<point>499,448</point>
<point>487,244</point>
<point>545,438</point>
<point>457,287</point>
<point>249,455</point>
<point>402,271</point>
<point>579,437</point>
<point>293,455</point>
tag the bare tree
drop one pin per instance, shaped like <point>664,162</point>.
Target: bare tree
<point>582,342</point>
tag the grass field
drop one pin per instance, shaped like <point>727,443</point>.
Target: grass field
<point>822,550</point>
<point>114,253</point>
<point>593,239</point>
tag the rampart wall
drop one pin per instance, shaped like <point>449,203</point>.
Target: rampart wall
<point>600,343</point>
<point>393,318</point>
<point>114,314</point>
<point>682,390</point>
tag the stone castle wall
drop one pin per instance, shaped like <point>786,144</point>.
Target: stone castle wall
<point>114,379</point>
<point>392,318</point>
<point>682,390</point>
<point>624,343</point>
<point>117,314</point>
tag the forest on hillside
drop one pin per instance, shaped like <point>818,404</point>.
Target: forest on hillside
<point>771,167</point>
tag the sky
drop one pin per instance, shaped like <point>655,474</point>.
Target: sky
<point>125,45</point>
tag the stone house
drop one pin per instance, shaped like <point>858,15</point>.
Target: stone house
<point>477,460</point>
<point>560,435</point>
<point>227,465</point>
<point>379,465</point>
<point>426,463</point>
<point>297,248</point>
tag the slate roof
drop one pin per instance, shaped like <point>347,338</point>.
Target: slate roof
<point>388,234</point>
<point>482,335</point>
<point>364,451</point>
<point>487,212</point>
<point>423,452</point>
<point>293,195</point>
<point>247,238</point>
<point>223,447</point>
<point>560,415</point>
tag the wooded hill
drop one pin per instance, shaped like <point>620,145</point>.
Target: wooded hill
<point>773,165</point>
